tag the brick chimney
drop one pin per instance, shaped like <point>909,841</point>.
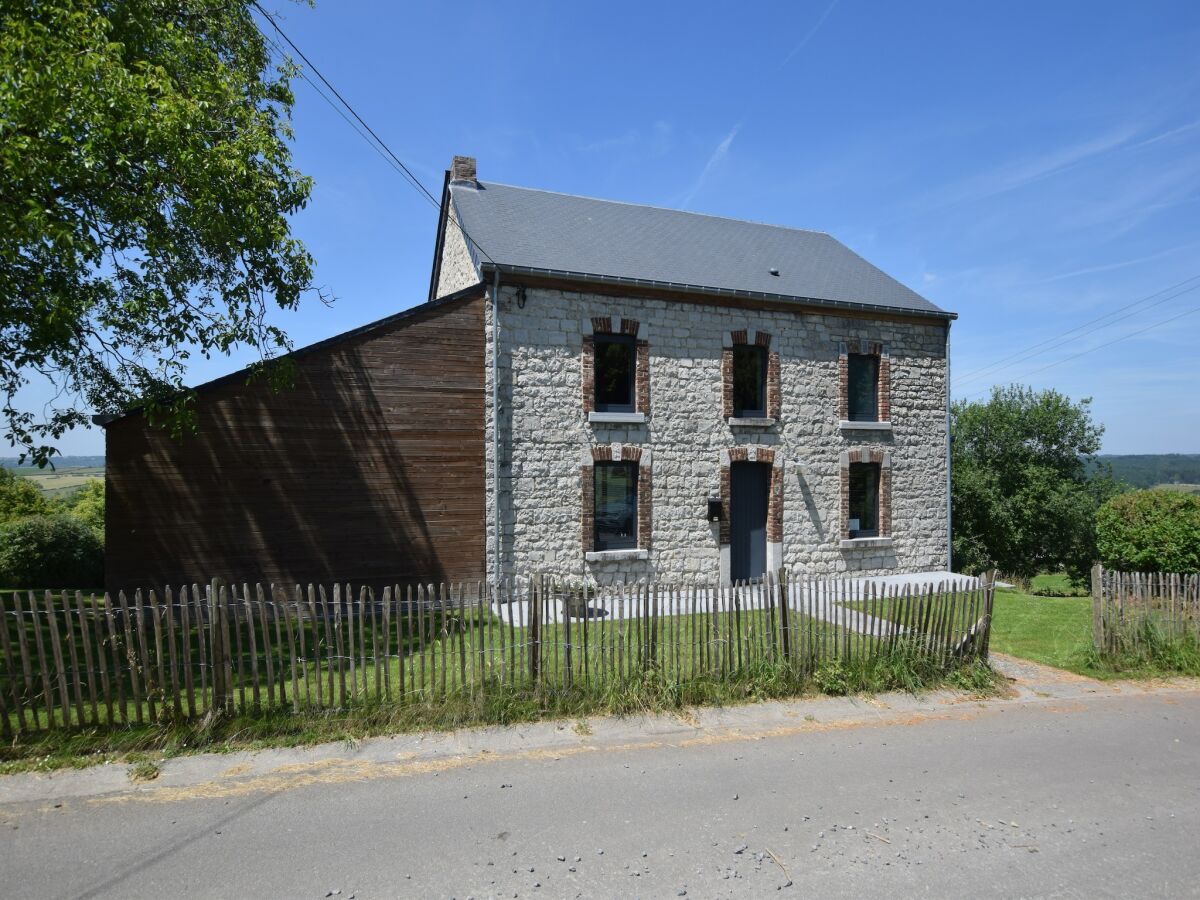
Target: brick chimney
<point>462,171</point>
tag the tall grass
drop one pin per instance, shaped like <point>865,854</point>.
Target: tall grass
<point>651,690</point>
<point>1146,645</point>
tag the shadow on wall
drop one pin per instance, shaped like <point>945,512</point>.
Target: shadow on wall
<point>367,471</point>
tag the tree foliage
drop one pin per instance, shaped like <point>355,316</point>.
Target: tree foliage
<point>55,551</point>
<point>145,189</point>
<point>1025,485</point>
<point>87,505</point>
<point>1150,531</point>
<point>19,497</point>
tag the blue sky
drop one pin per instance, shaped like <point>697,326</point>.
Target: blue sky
<point>1031,166</point>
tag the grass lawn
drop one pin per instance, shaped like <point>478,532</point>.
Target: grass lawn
<point>1057,631</point>
<point>1054,631</point>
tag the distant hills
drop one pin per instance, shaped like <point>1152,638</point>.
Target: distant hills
<point>1153,469</point>
<point>60,462</point>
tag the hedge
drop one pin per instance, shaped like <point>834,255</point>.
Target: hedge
<point>1150,531</point>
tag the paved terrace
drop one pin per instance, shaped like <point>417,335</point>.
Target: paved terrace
<point>809,598</point>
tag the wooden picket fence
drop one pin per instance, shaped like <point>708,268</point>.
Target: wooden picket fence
<point>1127,605</point>
<point>70,661</point>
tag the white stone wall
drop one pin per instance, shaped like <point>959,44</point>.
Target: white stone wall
<point>543,428</point>
<point>458,270</point>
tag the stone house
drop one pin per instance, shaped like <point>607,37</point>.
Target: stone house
<point>594,389</point>
<point>678,395</point>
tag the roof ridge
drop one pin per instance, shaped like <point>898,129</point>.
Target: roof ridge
<point>670,209</point>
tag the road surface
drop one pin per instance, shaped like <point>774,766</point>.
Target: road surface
<point>1070,790</point>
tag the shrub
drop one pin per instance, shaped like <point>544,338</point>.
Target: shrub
<point>19,497</point>
<point>87,505</point>
<point>50,552</point>
<point>1150,531</point>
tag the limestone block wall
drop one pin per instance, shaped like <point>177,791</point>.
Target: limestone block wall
<point>544,429</point>
<point>457,270</point>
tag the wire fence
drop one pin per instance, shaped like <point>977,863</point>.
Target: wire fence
<point>1130,609</point>
<point>70,661</point>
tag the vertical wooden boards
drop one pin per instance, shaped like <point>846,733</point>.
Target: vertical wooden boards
<point>199,610</point>
<point>185,648</point>
<point>268,656</point>
<point>24,624</point>
<point>291,613</point>
<point>10,666</point>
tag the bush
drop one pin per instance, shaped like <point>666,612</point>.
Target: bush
<point>1150,531</point>
<point>87,505</point>
<point>19,497</point>
<point>50,552</point>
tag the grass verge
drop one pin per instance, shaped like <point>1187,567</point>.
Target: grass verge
<point>642,692</point>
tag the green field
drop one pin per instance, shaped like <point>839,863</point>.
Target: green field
<point>1182,488</point>
<point>57,482</point>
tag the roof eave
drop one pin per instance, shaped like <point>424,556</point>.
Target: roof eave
<point>586,277</point>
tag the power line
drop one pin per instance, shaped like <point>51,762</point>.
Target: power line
<point>1123,337</point>
<point>1037,349</point>
<point>382,147</point>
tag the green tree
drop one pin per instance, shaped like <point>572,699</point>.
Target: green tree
<point>1026,485</point>
<point>19,497</point>
<point>145,192</point>
<point>1150,531</point>
<point>87,505</point>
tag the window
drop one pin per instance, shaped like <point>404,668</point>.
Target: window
<point>749,381</point>
<point>864,500</point>
<point>615,499</point>
<point>615,366</point>
<point>863,393</point>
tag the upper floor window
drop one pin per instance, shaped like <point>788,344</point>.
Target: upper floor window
<point>749,381</point>
<point>864,500</point>
<point>616,505</point>
<point>615,366</point>
<point>863,388</point>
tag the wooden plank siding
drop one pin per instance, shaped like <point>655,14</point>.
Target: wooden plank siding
<point>370,468</point>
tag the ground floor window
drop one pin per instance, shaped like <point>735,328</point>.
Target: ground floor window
<point>615,505</point>
<point>864,500</point>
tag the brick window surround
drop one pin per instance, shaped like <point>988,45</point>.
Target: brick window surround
<point>601,325</point>
<point>766,455</point>
<point>884,460</point>
<point>615,453</point>
<point>774,389</point>
<point>884,389</point>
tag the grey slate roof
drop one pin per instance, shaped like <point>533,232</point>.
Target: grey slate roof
<point>521,228</point>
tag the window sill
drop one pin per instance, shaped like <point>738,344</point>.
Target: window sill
<point>748,422</point>
<point>617,418</point>
<point>616,555</point>
<point>865,543</point>
<point>845,425</point>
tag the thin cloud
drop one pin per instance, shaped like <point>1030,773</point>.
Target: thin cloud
<point>1124,264</point>
<point>811,32</point>
<point>713,161</point>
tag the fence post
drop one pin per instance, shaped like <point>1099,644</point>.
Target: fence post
<point>1098,607</point>
<point>989,599</point>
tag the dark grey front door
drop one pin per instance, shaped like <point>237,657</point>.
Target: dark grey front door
<point>749,487</point>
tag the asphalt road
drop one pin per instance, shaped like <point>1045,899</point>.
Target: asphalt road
<point>1087,796</point>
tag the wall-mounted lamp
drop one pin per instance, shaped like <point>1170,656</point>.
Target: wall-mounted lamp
<point>714,509</point>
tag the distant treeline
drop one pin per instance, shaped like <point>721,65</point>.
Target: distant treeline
<point>1147,470</point>
<point>60,462</point>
